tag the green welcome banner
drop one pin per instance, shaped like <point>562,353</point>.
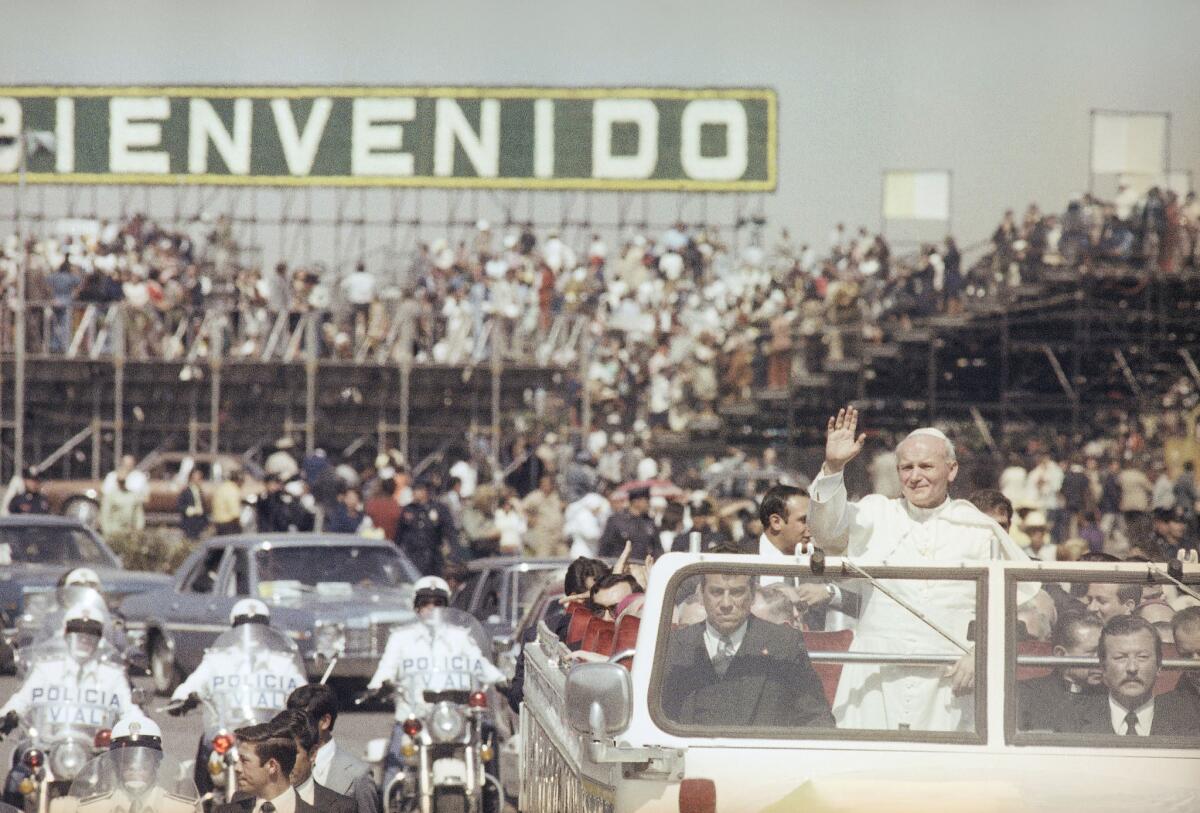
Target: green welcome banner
<point>483,137</point>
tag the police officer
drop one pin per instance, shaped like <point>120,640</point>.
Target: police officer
<point>416,649</point>
<point>32,500</point>
<point>704,522</point>
<point>126,778</point>
<point>632,524</point>
<point>76,677</point>
<point>224,670</point>
<point>422,529</point>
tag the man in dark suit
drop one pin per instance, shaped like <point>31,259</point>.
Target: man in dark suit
<point>1185,627</point>
<point>265,762</point>
<point>1130,657</point>
<point>634,525</point>
<point>1052,702</point>
<point>193,519</point>
<point>334,767</point>
<point>737,670</point>
<point>297,724</point>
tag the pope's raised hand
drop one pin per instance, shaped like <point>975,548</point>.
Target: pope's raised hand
<point>841,444</point>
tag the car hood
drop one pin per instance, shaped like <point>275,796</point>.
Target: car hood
<point>376,603</point>
<point>118,583</point>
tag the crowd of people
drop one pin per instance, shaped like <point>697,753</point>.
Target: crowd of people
<point>675,323</point>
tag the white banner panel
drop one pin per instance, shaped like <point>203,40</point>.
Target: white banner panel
<point>916,195</point>
<point>1134,143</point>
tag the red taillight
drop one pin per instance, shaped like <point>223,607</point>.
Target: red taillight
<point>697,796</point>
<point>477,700</point>
<point>412,726</point>
<point>103,738</point>
<point>222,743</point>
<point>34,758</point>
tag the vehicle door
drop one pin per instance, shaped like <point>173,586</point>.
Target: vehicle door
<point>192,617</point>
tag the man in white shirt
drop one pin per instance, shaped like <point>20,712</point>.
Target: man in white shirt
<point>1130,658</point>
<point>921,527</point>
<point>334,767</point>
<point>264,767</point>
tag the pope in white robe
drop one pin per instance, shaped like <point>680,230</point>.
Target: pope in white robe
<point>921,527</point>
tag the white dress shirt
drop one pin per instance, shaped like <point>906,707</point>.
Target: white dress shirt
<point>307,789</point>
<point>284,802</point>
<point>712,638</point>
<point>1145,715</point>
<point>324,762</point>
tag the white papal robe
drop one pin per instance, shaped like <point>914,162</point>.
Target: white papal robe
<point>878,531</point>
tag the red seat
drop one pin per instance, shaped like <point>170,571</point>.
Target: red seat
<point>1167,678</point>
<point>580,616</point>
<point>626,637</point>
<point>1033,648</point>
<point>829,673</point>
<point>599,636</point>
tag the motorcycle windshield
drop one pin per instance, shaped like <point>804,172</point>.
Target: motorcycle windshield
<point>134,778</point>
<point>43,636</point>
<point>256,669</point>
<point>445,655</point>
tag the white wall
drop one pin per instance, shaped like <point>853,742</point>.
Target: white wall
<point>998,92</point>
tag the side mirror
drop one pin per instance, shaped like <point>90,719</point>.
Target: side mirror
<point>599,698</point>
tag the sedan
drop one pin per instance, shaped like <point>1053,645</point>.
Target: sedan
<point>37,551</point>
<point>337,596</point>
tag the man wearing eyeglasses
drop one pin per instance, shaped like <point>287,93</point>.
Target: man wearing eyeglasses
<point>1130,658</point>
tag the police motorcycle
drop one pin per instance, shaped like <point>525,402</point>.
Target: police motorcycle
<point>42,622</point>
<point>244,678</point>
<point>133,776</point>
<point>442,755</point>
<point>66,708</point>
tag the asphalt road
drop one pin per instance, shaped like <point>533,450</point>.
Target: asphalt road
<point>353,730</point>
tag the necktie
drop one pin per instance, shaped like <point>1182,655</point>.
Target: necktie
<point>725,653</point>
<point>1131,722</point>
<point>268,807</point>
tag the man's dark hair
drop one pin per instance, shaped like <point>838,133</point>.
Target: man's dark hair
<point>1122,625</point>
<point>1097,556</point>
<point>612,580</point>
<point>453,483</point>
<point>387,486</point>
<point>1187,618</point>
<point>725,546</point>
<point>1069,629</point>
<point>775,502</point>
<point>317,699</point>
<point>1129,592</point>
<point>298,724</point>
<point>989,499</point>
<point>579,571</point>
<point>270,743</point>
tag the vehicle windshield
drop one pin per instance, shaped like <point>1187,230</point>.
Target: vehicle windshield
<point>51,546</point>
<point>755,650</point>
<point>327,569</point>
<point>1104,657</point>
<point>531,583</point>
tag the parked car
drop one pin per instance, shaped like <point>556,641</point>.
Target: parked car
<point>499,591</point>
<point>333,594</point>
<point>166,475</point>
<point>35,552</point>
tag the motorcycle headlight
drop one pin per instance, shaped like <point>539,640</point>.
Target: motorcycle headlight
<point>329,639</point>
<point>447,724</point>
<point>68,759</point>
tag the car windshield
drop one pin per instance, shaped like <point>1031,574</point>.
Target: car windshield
<point>530,585</point>
<point>51,546</point>
<point>327,569</point>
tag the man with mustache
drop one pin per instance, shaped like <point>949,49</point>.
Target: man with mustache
<point>1130,657</point>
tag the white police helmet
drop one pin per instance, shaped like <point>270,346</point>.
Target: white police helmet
<point>82,628</point>
<point>431,587</point>
<point>136,730</point>
<point>249,611</point>
<point>83,577</point>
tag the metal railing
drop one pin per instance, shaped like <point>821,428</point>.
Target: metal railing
<point>90,331</point>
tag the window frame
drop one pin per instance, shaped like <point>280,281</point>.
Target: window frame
<point>189,579</point>
<point>978,736</point>
<point>1014,737</point>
